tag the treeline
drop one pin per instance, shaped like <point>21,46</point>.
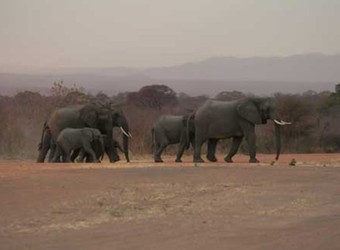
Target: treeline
<point>315,118</point>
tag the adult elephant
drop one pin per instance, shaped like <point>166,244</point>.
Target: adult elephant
<point>172,129</point>
<point>216,120</point>
<point>92,115</point>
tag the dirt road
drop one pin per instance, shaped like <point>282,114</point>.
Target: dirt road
<point>167,206</point>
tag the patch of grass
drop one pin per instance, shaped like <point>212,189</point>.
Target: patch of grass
<point>126,211</point>
<point>101,202</point>
<point>116,213</point>
<point>292,162</point>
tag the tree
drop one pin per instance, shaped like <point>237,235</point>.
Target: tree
<point>153,96</point>
<point>230,95</point>
<point>304,117</point>
<point>64,95</point>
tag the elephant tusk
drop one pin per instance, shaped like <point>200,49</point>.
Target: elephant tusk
<point>123,131</point>
<point>286,123</point>
<point>130,135</point>
<point>282,123</point>
<point>279,123</point>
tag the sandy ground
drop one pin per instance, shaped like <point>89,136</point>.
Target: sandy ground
<point>143,205</point>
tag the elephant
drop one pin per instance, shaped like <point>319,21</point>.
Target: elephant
<point>93,115</point>
<point>172,129</point>
<point>216,120</point>
<point>99,151</point>
<point>70,139</point>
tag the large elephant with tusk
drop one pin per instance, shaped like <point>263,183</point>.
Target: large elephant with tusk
<point>216,120</point>
<point>92,115</point>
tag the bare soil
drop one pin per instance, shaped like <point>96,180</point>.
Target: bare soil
<point>143,205</point>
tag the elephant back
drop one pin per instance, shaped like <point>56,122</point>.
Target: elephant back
<point>77,116</point>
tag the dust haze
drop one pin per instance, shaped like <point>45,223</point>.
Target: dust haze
<point>258,47</point>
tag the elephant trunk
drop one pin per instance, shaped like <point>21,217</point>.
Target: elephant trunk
<point>126,147</point>
<point>102,145</point>
<point>189,129</point>
<point>278,140</point>
<point>152,140</point>
<point>126,134</point>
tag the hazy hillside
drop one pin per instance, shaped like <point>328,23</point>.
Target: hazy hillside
<point>259,75</point>
<point>298,68</point>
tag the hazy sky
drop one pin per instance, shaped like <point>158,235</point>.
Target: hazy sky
<point>86,33</point>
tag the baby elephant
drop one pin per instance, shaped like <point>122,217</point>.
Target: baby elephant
<point>71,139</point>
<point>172,129</point>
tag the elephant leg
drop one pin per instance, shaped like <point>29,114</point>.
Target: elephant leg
<point>88,158</point>
<point>88,149</point>
<point>234,148</point>
<point>115,156</point>
<point>161,142</point>
<point>159,151</point>
<point>42,153</point>
<point>44,147</point>
<point>67,157</point>
<point>251,139</point>
<point>212,143</point>
<point>180,152</point>
<point>53,147</point>
<point>198,147</point>
<point>56,155</point>
<point>75,154</point>
<point>82,156</point>
<point>112,154</point>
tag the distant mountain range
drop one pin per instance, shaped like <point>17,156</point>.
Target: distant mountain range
<point>258,75</point>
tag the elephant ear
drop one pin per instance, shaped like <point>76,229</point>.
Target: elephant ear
<point>88,132</point>
<point>89,115</point>
<point>97,134</point>
<point>104,116</point>
<point>248,111</point>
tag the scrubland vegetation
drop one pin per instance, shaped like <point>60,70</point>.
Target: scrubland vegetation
<point>315,118</point>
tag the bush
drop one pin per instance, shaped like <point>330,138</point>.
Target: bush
<point>315,118</point>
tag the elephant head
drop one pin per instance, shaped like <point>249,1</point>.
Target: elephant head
<point>259,111</point>
<point>106,117</point>
<point>95,135</point>
<point>119,120</point>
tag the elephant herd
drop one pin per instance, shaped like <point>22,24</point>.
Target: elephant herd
<point>85,131</point>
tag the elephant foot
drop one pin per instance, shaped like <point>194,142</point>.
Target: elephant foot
<point>229,160</point>
<point>212,158</point>
<point>178,160</point>
<point>158,160</point>
<point>254,160</point>
<point>198,160</point>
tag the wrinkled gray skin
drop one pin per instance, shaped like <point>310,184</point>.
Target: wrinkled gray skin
<point>81,155</point>
<point>216,120</point>
<point>93,115</point>
<point>70,139</point>
<point>172,129</point>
